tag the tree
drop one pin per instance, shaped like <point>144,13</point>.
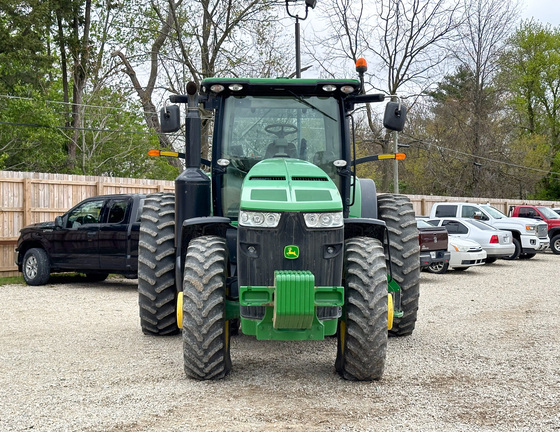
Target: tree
<point>196,39</point>
<point>403,37</point>
<point>531,70</point>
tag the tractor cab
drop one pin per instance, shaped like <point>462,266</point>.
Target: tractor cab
<point>274,119</point>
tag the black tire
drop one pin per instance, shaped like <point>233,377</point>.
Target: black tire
<point>96,277</point>
<point>527,255</point>
<point>517,251</point>
<point>362,330</point>
<point>157,290</point>
<point>438,268</point>
<point>206,336</point>
<point>555,244</point>
<point>490,260</point>
<point>36,267</point>
<point>399,216</point>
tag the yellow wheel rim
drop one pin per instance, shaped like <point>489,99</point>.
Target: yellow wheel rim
<point>180,310</point>
<point>390,311</point>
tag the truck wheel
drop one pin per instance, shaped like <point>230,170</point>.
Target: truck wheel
<point>438,268</point>
<point>516,252</point>
<point>398,214</point>
<point>555,244</point>
<point>362,329</point>
<point>96,277</point>
<point>157,291</point>
<point>205,329</point>
<point>36,267</point>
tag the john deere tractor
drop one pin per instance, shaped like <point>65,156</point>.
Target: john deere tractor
<point>277,237</point>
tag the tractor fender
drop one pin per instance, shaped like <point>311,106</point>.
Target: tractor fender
<point>197,227</point>
<point>365,227</point>
<point>369,198</point>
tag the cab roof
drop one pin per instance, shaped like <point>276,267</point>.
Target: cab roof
<point>279,87</point>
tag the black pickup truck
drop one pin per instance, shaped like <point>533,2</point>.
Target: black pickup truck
<point>96,237</point>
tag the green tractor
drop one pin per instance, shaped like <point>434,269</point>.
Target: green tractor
<point>278,237</point>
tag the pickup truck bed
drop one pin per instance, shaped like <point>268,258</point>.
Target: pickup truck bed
<point>433,244</point>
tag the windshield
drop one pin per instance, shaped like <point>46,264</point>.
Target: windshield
<point>494,212</point>
<point>258,127</point>
<point>262,127</point>
<point>548,213</point>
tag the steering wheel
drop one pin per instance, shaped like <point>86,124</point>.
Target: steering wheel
<point>281,129</point>
<point>89,219</point>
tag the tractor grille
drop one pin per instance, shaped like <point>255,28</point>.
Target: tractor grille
<point>273,178</point>
<point>310,178</point>
<point>261,251</point>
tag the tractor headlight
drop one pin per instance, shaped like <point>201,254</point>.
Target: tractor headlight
<point>323,220</point>
<point>259,219</point>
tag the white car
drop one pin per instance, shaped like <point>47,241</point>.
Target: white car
<point>464,254</point>
<point>497,243</point>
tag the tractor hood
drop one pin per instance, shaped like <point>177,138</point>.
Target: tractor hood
<point>284,184</point>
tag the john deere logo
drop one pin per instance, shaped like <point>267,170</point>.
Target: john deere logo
<point>291,252</point>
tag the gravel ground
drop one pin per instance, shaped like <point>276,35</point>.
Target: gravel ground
<point>485,356</point>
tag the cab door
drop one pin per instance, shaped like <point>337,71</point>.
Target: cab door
<point>76,245</point>
<point>114,235</point>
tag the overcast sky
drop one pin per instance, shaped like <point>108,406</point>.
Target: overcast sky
<point>545,11</point>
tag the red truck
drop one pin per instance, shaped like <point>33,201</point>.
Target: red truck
<point>545,214</point>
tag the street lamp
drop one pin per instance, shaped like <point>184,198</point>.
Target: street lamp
<point>308,4</point>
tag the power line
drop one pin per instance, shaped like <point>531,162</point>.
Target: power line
<point>75,104</point>
<point>36,125</point>
<point>429,145</point>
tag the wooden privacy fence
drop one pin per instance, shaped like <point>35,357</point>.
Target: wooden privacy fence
<point>27,198</point>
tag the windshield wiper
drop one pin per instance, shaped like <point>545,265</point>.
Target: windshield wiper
<point>310,105</point>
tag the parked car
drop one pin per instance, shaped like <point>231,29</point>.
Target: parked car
<point>529,235</point>
<point>96,237</point>
<point>544,214</point>
<point>433,244</point>
<point>557,210</point>
<point>497,243</point>
<point>464,253</point>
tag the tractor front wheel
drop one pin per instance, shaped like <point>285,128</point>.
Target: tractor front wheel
<point>362,332</point>
<point>206,335</point>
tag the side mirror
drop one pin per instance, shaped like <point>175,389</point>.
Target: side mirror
<point>395,116</point>
<point>170,118</point>
<point>58,222</point>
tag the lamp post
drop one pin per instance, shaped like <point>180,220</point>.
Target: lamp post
<point>308,4</point>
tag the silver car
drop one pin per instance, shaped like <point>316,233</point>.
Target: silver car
<point>497,243</point>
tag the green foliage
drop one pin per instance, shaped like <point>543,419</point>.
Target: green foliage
<point>29,138</point>
<point>531,72</point>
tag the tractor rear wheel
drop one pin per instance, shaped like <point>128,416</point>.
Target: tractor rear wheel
<point>362,332</point>
<point>206,335</point>
<point>398,214</point>
<point>157,291</point>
